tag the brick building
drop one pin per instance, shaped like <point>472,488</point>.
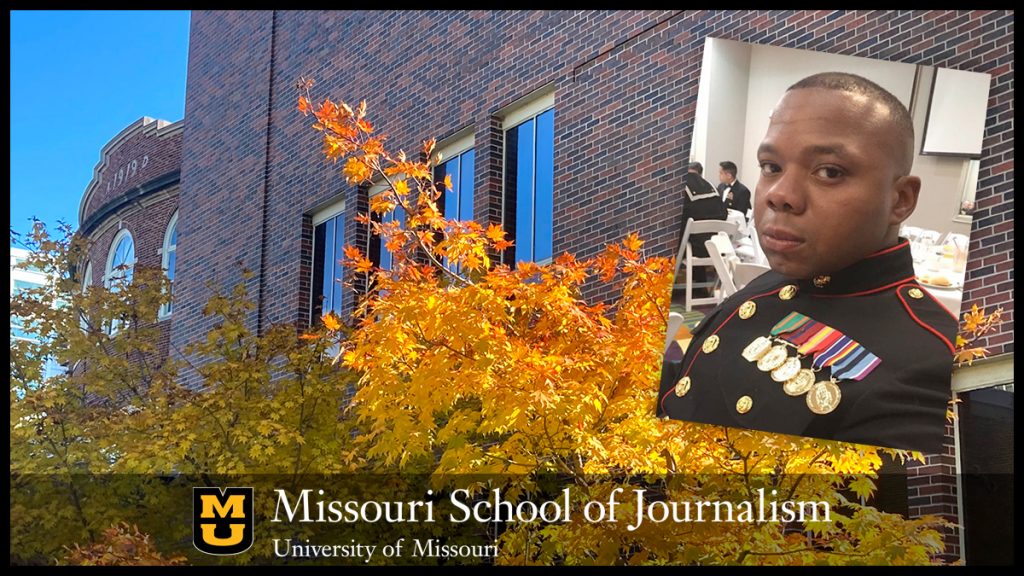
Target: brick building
<point>129,211</point>
<point>594,108</point>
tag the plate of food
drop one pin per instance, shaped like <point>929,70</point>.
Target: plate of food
<point>940,281</point>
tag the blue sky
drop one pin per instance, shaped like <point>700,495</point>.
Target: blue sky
<point>77,79</point>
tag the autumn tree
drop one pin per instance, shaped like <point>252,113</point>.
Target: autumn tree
<point>471,367</point>
<point>123,435</point>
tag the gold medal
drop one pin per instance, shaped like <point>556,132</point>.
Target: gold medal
<point>744,404</point>
<point>756,349</point>
<point>787,292</point>
<point>710,344</point>
<point>915,293</point>
<point>822,281</point>
<point>772,359</point>
<point>799,384</point>
<point>683,386</point>
<point>823,397</point>
<point>747,309</point>
<point>788,370</point>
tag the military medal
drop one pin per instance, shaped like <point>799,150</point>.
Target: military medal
<point>788,370</point>
<point>772,359</point>
<point>799,384</point>
<point>824,397</point>
<point>747,309</point>
<point>848,360</point>
<point>756,349</point>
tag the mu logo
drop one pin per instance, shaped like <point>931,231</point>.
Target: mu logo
<point>222,521</point>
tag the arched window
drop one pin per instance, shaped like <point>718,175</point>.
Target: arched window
<point>86,282</point>
<point>120,261</point>
<point>120,268</point>
<point>169,253</point>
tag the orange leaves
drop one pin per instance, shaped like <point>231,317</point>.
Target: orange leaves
<point>331,322</point>
<point>401,187</point>
<point>355,259</point>
<point>381,203</point>
<point>495,233</point>
<point>632,242</point>
<point>356,171</point>
<point>448,182</point>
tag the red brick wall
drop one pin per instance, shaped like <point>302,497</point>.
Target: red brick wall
<point>158,149</point>
<point>625,97</point>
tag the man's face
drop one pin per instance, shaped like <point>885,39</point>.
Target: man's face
<point>724,176</point>
<point>825,195</point>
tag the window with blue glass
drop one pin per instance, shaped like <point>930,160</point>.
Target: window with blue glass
<point>328,252</point>
<point>457,203</point>
<point>529,187</point>
<point>386,261</point>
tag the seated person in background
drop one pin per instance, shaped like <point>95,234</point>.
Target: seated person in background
<point>838,340</point>
<point>700,202</point>
<point>735,195</point>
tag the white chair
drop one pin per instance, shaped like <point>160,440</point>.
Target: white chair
<point>723,267</point>
<point>685,254</point>
<point>675,320</point>
<point>744,272</point>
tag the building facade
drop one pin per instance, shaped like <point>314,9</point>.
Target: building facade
<point>569,128</point>
<point>129,211</point>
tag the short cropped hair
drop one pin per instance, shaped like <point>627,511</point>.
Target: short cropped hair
<point>729,167</point>
<point>855,84</point>
<point>696,166</point>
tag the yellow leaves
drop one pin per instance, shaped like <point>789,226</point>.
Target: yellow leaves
<point>331,322</point>
<point>632,242</point>
<point>969,355</point>
<point>381,204</point>
<point>401,187</point>
<point>448,182</point>
<point>495,233</point>
<point>976,323</point>
<point>356,171</point>
<point>973,319</point>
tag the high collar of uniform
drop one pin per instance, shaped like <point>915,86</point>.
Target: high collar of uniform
<point>879,271</point>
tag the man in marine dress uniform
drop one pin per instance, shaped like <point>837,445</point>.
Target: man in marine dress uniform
<point>837,341</point>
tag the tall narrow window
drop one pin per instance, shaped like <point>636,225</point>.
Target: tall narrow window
<point>120,268</point>
<point>86,282</point>
<point>457,163</point>
<point>169,256</point>
<point>378,251</point>
<point>328,246</point>
<point>529,180</point>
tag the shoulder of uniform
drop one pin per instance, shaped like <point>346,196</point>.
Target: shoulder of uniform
<point>925,311</point>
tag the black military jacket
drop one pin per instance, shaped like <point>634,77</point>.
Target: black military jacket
<point>876,302</point>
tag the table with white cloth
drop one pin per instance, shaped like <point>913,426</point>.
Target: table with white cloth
<point>949,296</point>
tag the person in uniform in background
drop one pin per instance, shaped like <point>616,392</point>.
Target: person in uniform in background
<point>735,195</point>
<point>700,202</point>
<point>837,341</point>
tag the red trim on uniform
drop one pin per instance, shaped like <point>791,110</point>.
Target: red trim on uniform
<point>887,250</point>
<point>724,322</point>
<point>941,305</point>
<point>952,349</point>
<point>865,292</point>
